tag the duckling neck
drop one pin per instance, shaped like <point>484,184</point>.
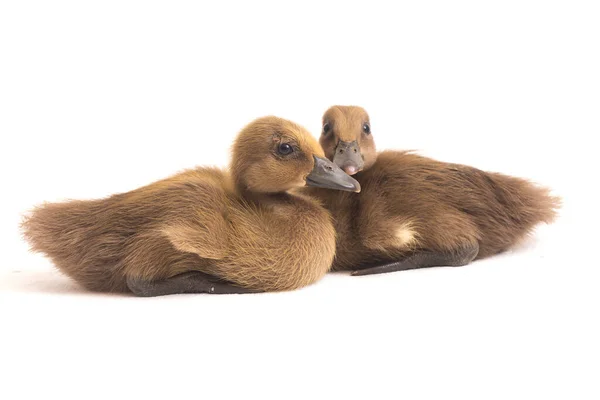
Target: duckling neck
<point>262,197</point>
<point>259,197</point>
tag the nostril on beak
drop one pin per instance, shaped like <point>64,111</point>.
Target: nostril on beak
<point>355,150</point>
<point>341,151</point>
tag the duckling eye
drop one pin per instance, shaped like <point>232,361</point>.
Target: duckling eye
<point>285,149</point>
<point>366,129</point>
<point>326,128</point>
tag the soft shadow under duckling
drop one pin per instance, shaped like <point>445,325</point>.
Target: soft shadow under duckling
<point>416,212</point>
<point>204,230</point>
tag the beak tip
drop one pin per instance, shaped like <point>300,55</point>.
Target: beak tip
<point>350,170</point>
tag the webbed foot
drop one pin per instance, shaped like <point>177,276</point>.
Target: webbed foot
<point>188,282</point>
<point>425,259</point>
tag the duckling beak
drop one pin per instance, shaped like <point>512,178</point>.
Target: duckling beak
<point>326,174</point>
<point>348,157</point>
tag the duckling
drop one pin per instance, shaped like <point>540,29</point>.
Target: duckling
<point>204,230</point>
<point>416,212</point>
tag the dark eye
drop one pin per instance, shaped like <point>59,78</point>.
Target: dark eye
<point>366,129</point>
<point>285,149</point>
<point>326,128</point>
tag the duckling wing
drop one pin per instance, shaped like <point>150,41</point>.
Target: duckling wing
<point>205,236</point>
<point>198,222</point>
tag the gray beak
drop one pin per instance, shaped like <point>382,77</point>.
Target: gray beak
<point>326,174</point>
<point>348,157</point>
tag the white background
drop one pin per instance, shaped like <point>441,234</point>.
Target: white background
<point>102,97</point>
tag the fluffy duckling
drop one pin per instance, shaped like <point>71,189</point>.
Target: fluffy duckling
<point>204,230</point>
<point>415,212</point>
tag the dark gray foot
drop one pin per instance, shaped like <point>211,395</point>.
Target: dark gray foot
<point>188,282</point>
<point>425,259</point>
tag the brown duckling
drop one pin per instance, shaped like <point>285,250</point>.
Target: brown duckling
<point>416,212</point>
<point>204,230</point>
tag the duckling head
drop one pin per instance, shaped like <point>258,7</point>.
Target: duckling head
<point>346,138</point>
<point>272,155</point>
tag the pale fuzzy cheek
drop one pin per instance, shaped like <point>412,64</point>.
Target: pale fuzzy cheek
<point>284,187</point>
<point>299,183</point>
<point>291,184</point>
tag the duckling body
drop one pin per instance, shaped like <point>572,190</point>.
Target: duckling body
<point>416,212</point>
<point>203,230</point>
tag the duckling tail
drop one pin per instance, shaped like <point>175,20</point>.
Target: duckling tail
<point>48,228</point>
<point>529,203</point>
<point>68,233</point>
<point>519,205</point>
